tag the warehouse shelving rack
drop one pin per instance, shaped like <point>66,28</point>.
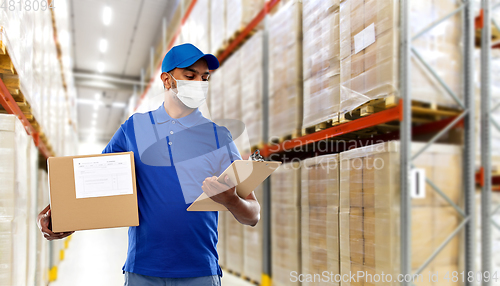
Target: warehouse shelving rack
<point>487,121</point>
<point>8,102</point>
<point>402,113</point>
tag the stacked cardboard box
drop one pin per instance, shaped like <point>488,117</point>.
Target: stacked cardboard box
<point>252,248</point>
<point>370,211</point>
<point>33,209</point>
<point>42,254</point>
<point>320,218</point>
<point>251,88</point>
<point>234,242</point>
<point>222,243</point>
<point>369,48</point>
<point>216,92</point>
<point>14,201</point>
<point>233,101</point>
<point>285,223</point>
<point>368,71</point>
<point>7,195</point>
<point>321,61</point>
<point>197,26</point>
<point>285,70</point>
<point>29,40</point>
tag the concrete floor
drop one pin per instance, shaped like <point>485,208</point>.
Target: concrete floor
<point>96,257</point>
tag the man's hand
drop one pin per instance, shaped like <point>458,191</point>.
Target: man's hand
<point>245,210</point>
<point>45,226</point>
<point>224,194</point>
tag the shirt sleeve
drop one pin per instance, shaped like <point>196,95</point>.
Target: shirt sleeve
<point>227,152</point>
<point>118,143</point>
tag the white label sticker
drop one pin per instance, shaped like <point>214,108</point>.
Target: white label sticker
<point>369,35</point>
<point>103,176</point>
<point>359,42</point>
<point>417,183</point>
<point>364,38</point>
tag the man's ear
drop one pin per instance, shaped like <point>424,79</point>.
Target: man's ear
<point>164,78</point>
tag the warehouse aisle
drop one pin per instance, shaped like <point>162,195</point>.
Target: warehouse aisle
<point>96,257</point>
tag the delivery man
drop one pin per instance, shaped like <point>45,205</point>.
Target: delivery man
<point>178,155</point>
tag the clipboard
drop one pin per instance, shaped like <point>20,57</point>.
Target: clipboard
<point>251,173</point>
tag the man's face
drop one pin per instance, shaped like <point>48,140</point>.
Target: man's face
<point>198,71</point>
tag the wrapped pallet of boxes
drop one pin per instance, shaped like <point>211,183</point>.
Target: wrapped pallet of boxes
<point>217,25</point>
<point>239,13</point>
<point>285,223</point>
<point>7,196</point>
<point>14,201</point>
<point>320,220</point>
<point>369,49</point>
<point>234,241</point>
<point>197,26</point>
<point>33,210</point>
<point>216,94</point>
<point>252,245</point>
<point>285,71</point>
<point>222,242</point>
<point>42,260</point>
<point>370,212</point>
<point>321,61</point>
<point>232,103</point>
<point>251,88</point>
<point>232,87</point>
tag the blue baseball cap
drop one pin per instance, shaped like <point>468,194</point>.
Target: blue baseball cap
<point>183,56</point>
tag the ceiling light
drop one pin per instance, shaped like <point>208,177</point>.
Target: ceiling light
<point>119,104</point>
<point>103,45</point>
<point>100,67</point>
<point>106,15</point>
<point>97,96</point>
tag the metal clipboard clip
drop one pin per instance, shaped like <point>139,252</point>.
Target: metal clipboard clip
<point>256,156</point>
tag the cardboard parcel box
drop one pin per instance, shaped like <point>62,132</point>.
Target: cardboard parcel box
<point>93,191</point>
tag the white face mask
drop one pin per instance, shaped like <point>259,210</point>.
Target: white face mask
<point>192,93</point>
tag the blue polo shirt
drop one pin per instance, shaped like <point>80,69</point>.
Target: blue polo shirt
<point>172,158</point>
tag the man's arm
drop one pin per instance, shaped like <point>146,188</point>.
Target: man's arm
<point>245,210</point>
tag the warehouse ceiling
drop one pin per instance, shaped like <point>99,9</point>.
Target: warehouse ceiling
<point>111,43</point>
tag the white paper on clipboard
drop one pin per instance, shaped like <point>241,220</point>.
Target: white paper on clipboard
<point>254,172</point>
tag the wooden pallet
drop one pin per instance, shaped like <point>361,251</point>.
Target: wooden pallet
<point>321,126</point>
<point>250,280</point>
<point>295,134</point>
<point>422,112</point>
<point>237,274</point>
<point>369,108</point>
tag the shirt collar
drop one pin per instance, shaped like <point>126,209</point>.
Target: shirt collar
<point>161,116</point>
